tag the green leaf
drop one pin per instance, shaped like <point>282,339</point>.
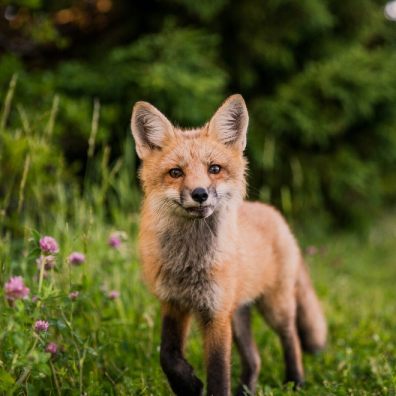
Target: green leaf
<point>6,380</point>
<point>36,236</point>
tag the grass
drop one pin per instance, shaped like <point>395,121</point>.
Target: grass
<point>111,346</point>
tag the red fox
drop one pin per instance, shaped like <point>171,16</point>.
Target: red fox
<point>208,253</point>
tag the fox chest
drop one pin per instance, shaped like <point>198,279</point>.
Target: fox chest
<point>185,276</point>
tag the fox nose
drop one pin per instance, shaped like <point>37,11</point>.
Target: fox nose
<point>199,194</point>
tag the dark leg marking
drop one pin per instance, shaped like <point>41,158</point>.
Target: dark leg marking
<point>281,316</point>
<point>250,359</point>
<point>292,355</point>
<point>218,376</point>
<point>180,374</point>
<point>218,340</point>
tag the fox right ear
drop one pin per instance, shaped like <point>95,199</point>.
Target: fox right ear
<point>149,128</point>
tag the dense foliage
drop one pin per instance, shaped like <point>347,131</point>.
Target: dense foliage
<point>318,77</point>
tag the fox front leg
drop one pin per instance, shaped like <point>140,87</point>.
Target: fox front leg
<point>218,339</point>
<point>179,372</point>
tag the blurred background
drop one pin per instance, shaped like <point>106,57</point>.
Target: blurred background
<point>319,78</point>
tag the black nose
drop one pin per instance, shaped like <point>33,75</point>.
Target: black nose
<point>199,195</point>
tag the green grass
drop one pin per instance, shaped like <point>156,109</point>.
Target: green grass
<point>112,346</point>
<point>109,347</point>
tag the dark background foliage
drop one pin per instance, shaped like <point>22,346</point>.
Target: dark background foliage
<point>318,77</point>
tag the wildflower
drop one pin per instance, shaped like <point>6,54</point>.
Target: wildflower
<point>47,261</point>
<point>113,294</point>
<point>115,240</point>
<point>312,250</point>
<point>76,258</point>
<point>35,298</point>
<point>49,245</point>
<point>52,348</point>
<point>15,289</point>
<point>41,325</point>
<point>74,295</point>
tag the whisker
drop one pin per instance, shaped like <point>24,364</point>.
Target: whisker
<point>209,228</point>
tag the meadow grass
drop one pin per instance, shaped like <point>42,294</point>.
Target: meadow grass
<point>109,346</point>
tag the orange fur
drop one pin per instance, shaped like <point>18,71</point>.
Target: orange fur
<point>252,256</point>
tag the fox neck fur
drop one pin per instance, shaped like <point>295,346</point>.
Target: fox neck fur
<point>190,252</point>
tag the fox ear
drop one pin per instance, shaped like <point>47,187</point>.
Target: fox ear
<point>230,122</point>
<point>149,128</point>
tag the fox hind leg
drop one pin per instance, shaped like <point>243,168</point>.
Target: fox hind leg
<point>250,358</point>
<point>280,313</point>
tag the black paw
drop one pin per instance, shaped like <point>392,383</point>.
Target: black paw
<point>187,387</point>
<point>198,387</point>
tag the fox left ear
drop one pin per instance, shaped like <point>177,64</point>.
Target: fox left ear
<point>230,122</point>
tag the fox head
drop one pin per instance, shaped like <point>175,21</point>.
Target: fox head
<point>192,173</point>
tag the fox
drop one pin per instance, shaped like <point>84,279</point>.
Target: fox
<point>209,254</point>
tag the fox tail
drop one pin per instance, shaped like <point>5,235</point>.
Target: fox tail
<point>311,323</point>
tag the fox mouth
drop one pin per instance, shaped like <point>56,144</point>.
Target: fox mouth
<point>199,212</point>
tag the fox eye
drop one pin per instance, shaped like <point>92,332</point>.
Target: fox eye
<point>175,173</point>
<point>214,169</point>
